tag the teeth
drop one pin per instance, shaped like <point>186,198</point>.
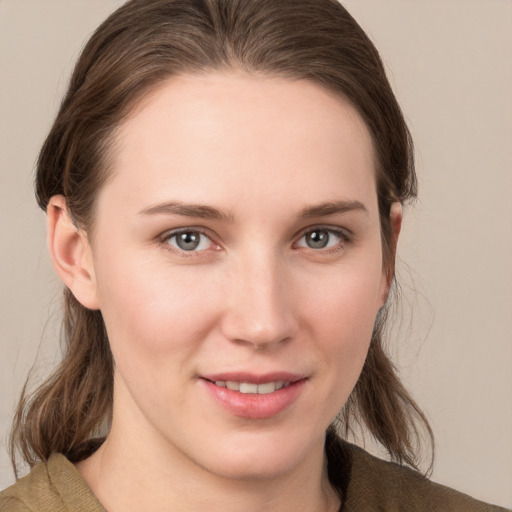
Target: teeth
<point>263,389</point>
<point>235,386</point>
<point>251,388</point>
<point>245,387</point>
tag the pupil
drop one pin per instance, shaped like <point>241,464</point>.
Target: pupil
<point>188,241</point>
<point>318,239</point>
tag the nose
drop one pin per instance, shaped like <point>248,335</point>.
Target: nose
<point>260,304</point>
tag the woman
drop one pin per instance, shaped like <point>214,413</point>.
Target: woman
<point>223,185</point>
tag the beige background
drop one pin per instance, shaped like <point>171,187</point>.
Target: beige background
<point>450,62</point>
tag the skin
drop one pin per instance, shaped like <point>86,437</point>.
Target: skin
<point>254,296</point>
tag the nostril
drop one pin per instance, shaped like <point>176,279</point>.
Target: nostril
<point>262,341</point>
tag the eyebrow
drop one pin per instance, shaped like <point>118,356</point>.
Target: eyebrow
<point>331,208</point>
<point>201,211</point>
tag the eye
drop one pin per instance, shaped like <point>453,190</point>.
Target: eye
<point>188,240</point>
<point>321,238</point>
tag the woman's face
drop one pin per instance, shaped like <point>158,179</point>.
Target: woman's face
<point>238,267</point>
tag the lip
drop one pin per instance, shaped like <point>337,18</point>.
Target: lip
<point>254,406</point>
<point>255,378</point>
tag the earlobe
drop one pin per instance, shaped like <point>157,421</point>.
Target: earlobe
<point>71,253</point>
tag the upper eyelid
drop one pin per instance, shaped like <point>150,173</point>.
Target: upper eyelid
<point>327,227</point>
<point>344,238</point>
<point>176,231</point>
<point>169,234</point>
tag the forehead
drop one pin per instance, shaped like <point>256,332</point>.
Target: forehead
<point>228,134</point>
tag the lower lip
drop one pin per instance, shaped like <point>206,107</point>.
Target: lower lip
<point>254,406</point>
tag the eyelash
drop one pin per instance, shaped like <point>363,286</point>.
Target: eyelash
<point>165,241</point>
<point>344,236</point>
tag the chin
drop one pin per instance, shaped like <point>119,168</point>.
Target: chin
<point>253,469</point>
<point>263,459</point>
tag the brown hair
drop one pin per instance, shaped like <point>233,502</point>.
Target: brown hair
<point>139,46</point>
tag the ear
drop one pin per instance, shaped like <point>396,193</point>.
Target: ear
<point>71,253</point>
<point>395,217</point>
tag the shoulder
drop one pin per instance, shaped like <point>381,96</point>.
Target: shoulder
<point>53,486</point>
<point>30,493</point>
<point>376,484</point>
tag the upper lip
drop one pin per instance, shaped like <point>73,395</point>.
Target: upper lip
<point>254,378</point>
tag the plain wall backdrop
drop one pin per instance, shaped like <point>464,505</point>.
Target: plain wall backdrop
<point>451,67</point>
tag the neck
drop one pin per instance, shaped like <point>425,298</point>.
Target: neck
<point>126,476</point>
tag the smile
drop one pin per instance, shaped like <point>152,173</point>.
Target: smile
<point>252,396</point>
<point>252,388</point>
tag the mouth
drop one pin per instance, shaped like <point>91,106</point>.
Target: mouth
<point>255,396</point>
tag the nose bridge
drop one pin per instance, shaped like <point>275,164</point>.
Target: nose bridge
<point>260,309</point>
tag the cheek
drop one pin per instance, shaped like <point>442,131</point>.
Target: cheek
<point>156,322</point>
<point>151,309</point>
<point>346,300</point>
<point>342,316</point>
